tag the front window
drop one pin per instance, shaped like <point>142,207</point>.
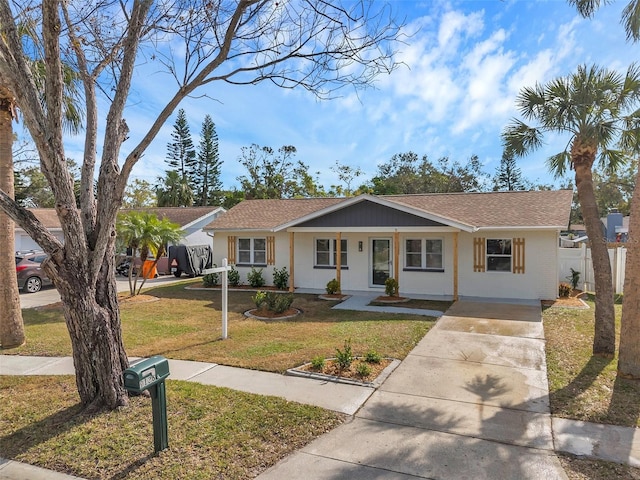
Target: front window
<point>423,254</point>
<point>327,251</point>
<point>499,255</point>
<point>252,251</point>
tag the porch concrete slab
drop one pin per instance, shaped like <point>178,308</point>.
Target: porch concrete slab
<point>28,365</point>
<point>604,442</point>
<point>530,311</point>
<point>392,449</point>
<point>515,427</point>
<point>494,385</point>
<point>483,348</point>
<point>333,396</point>
<point>186,370</point>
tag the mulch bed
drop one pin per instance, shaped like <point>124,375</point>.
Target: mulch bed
<point>574,300</point>
<point>331,368</point>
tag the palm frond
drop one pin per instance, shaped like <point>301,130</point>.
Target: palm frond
<point>520,139</point>
<point>631,20</point>
<point>586,8</point>
<point>559,163</point>
<point>610,160</point>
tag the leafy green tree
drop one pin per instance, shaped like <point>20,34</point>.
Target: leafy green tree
<point>508,176</point>
<point>231,198</point>
<point>272,174</point>
<point>145,234</point>
<point>104,42</point>
<point>175,192</point>
<point>347,175</point>
<point>598,110</point>
<point>139,194</point>
<point>407,173</point>
<point>207,181</point>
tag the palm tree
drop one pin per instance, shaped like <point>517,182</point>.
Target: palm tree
<point>596,108</point>
<point>630,14</point>
<point>144,233</point>
<point>11,324</point>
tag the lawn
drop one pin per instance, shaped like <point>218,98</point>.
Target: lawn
<point>186,324</point>
<point>213,432</point>
<point>583,387</point>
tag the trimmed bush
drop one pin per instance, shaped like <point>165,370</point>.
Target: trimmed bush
<point>210,279</point>
<point>363,370</point>
<point>255,278</point>
<point>344,358</point>
<point>564,290</point>
<point>233,276</point>
<point>260,298</point>
<point>281,278</point>
<point>333,287</point>
<point>372,357</point>
<point>391,287</point>
<point>317,363</point>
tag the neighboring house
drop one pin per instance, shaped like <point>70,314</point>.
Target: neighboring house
<point>190,219</point>
<point>493,245</point>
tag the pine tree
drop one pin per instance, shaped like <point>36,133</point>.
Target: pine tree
<point>508,175</point>
<point>207,181</point>
<point>181,154</point>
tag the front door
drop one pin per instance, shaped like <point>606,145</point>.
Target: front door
<point>380,260</point>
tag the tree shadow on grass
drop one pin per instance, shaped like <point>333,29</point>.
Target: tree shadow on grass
<point>569,394</point>
<point>35,433</point>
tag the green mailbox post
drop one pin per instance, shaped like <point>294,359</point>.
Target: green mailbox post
<point>149,374</point>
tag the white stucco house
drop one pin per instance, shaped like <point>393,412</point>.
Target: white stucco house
<point>191,220</point>
<point>493,245</point>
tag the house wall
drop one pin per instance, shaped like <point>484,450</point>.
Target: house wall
<point>24,242</point>
<point>538,281</point>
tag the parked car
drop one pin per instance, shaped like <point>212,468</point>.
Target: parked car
<point>31,277</point>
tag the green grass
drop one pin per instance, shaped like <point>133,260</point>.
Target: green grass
<point>213,432</point>
<point>581,386</point>
<point>186,324</point>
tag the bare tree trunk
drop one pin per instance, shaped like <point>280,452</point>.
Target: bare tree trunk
<point>604,340</point>
<point>93,321</point>
<point>11,323</point>
<point>629,357</point>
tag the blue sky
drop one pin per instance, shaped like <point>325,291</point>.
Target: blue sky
<point>465,63</point>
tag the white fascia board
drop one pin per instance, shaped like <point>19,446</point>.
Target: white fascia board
<point>373,229</point>
<point>199,219</point>
<point>553,228</point>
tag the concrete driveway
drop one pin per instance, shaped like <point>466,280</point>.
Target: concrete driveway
<point>469,402</point>
<point>49,295</point>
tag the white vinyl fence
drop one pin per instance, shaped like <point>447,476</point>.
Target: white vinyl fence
<point>580,260</point>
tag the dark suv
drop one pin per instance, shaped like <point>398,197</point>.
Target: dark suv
<point>31,277</point>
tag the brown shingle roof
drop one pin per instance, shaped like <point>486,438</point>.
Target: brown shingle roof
<point>496,209</point>
<point>268,214</point>
<point>537,209</point>
<point>180,215</point>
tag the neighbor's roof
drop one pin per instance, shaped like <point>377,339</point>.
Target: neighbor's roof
<point>535,209</point>
<point>181,215</point>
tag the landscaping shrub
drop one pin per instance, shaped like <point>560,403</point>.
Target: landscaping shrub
<point>317,363</point>
<point>344,358</point>
<point>391,287</point>
<point>281,278</point>
<point>255,278</point>
<point>363,370</point>
<point>278,302</point>
<point>372,357</point>
<point>260,298</point>
<point>333,287</point>
<point>564,290</point>
<point>210,279</point>
<point>574,278</point>
<point>233,276</point>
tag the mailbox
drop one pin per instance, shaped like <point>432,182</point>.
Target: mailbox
<point>145,373</point>
<point>149,374</point>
